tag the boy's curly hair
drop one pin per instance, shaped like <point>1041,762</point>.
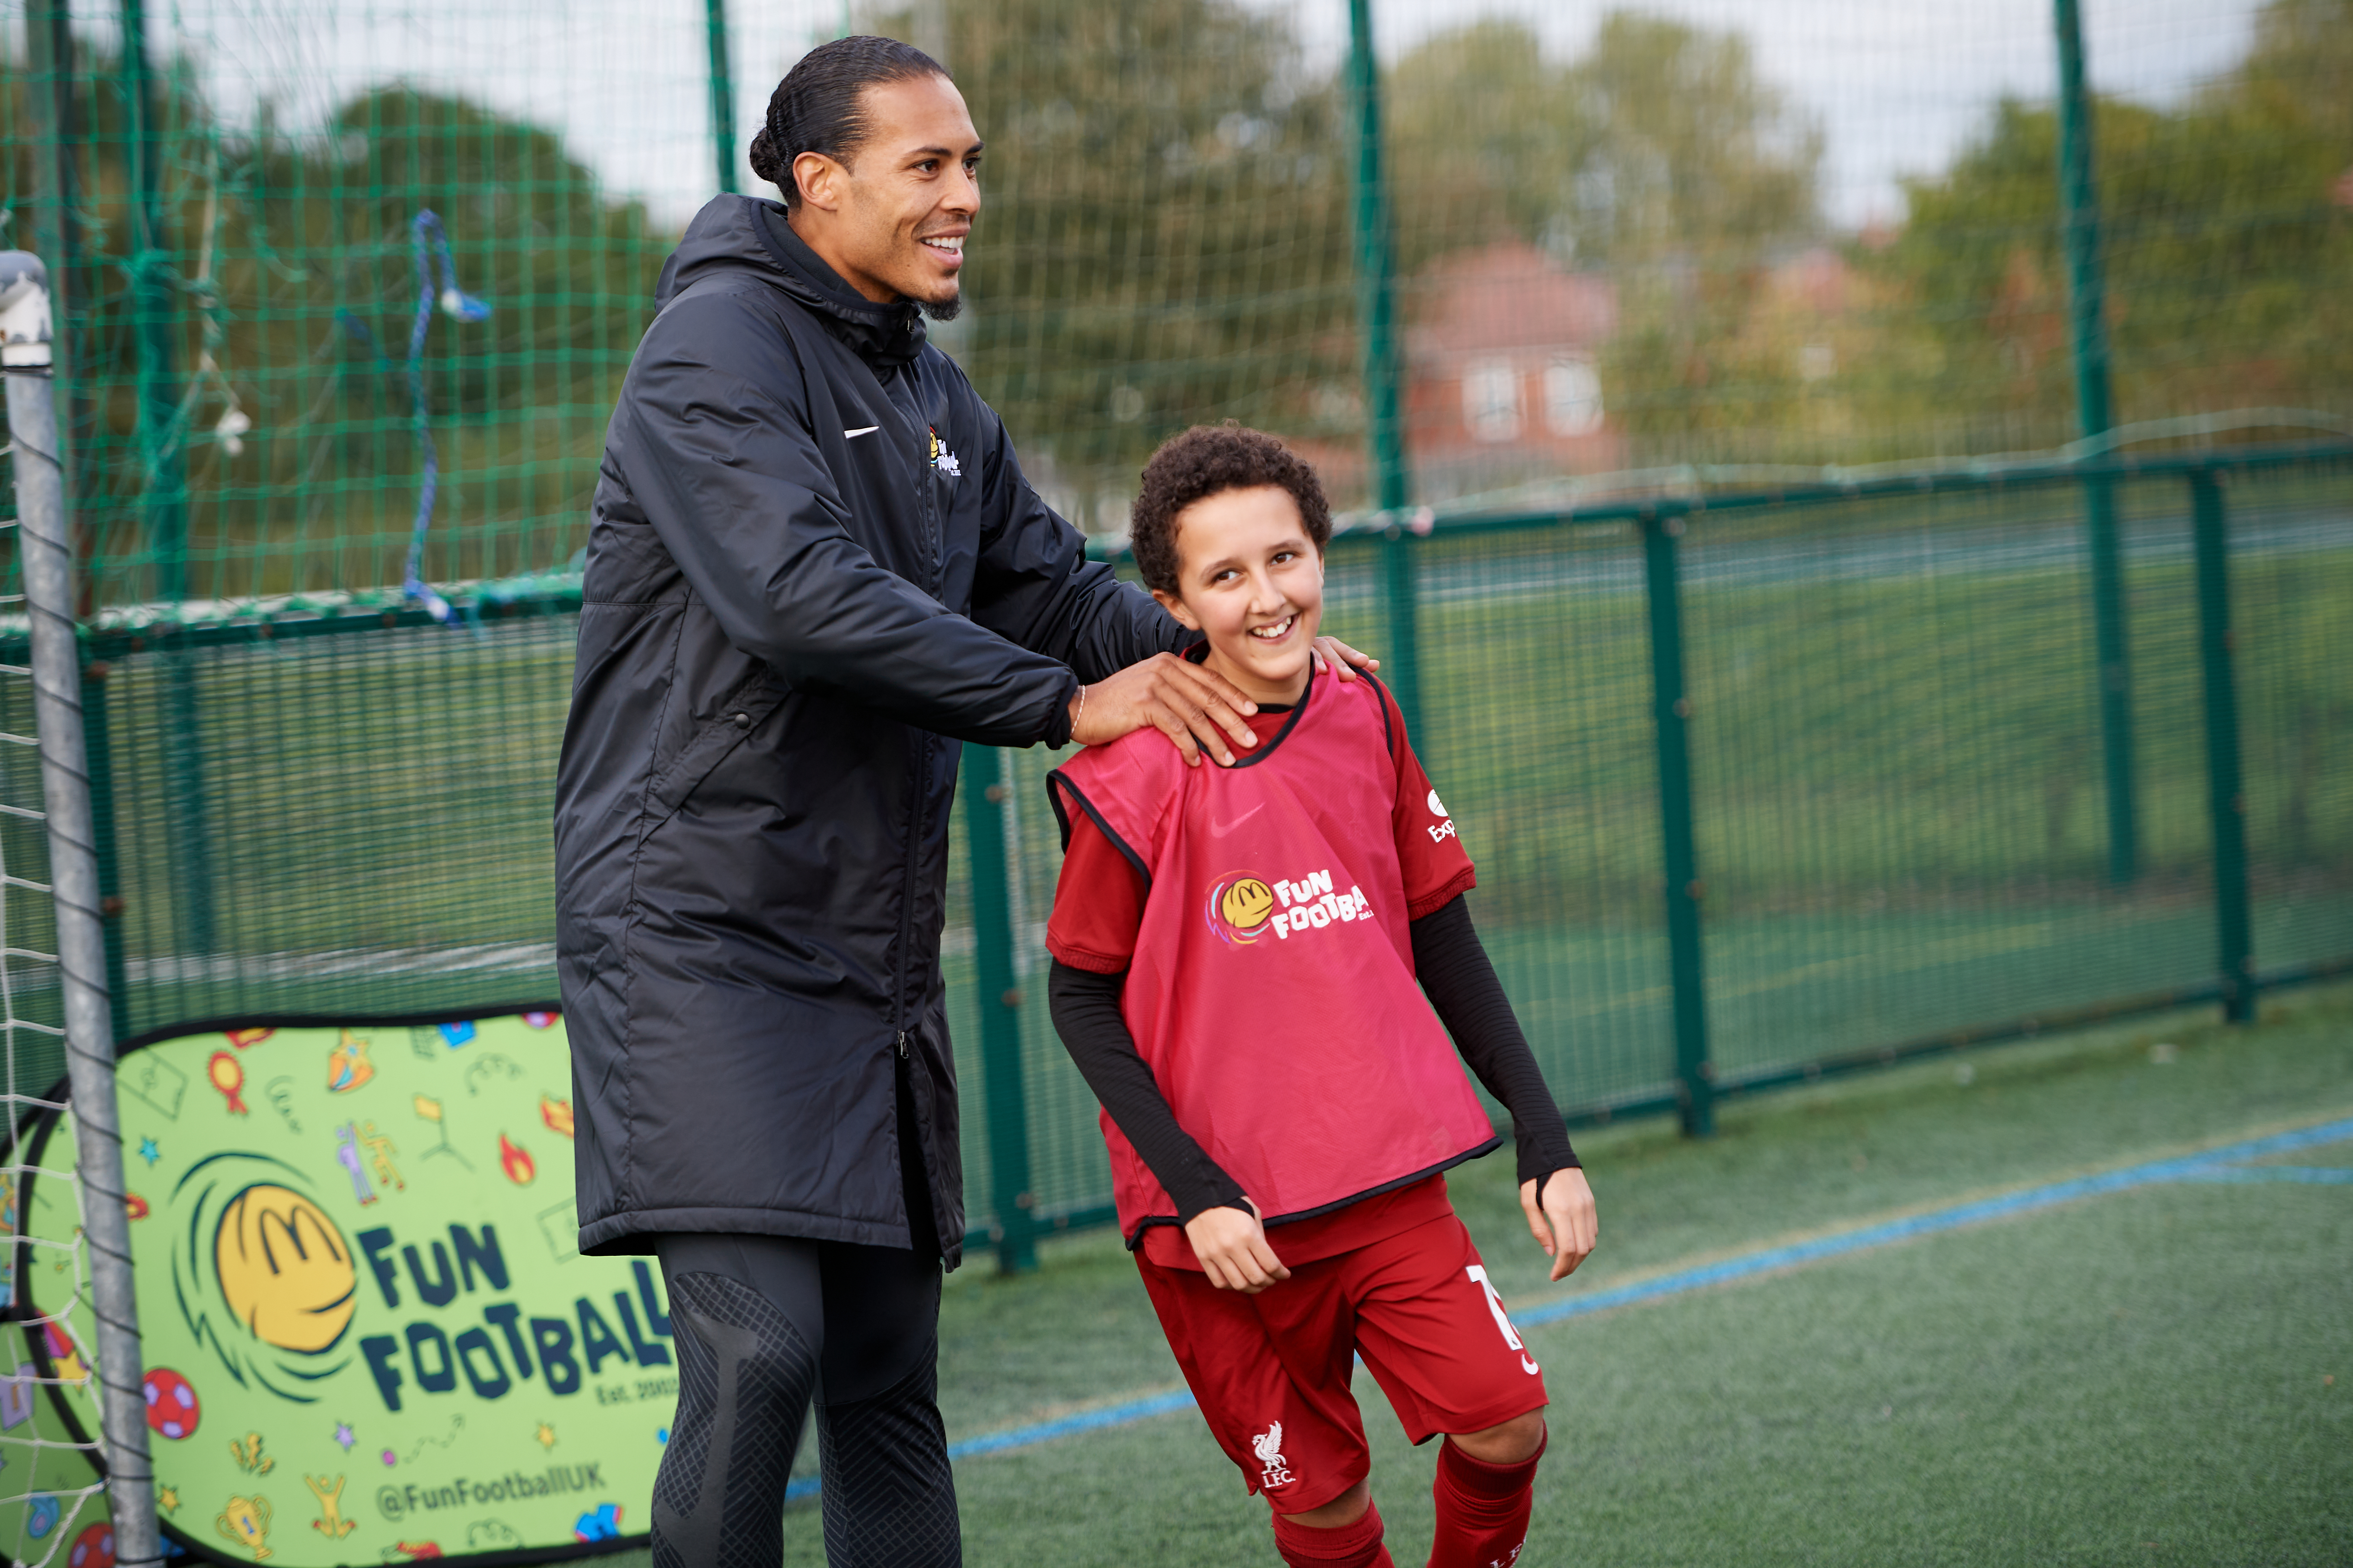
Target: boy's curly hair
<point>1208,460</point>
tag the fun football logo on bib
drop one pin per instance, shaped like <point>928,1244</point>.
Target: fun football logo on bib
<point>1244,908</point>
<point>1239,906</point>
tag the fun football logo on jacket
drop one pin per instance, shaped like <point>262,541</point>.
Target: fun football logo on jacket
<point>1244,908</point>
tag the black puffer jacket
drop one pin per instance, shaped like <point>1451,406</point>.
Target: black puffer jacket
<point>814,568</point>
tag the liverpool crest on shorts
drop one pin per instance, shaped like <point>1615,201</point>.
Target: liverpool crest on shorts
<point>1273,1469</point>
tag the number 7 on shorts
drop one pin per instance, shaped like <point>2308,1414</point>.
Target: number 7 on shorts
<point>1478,1272</point>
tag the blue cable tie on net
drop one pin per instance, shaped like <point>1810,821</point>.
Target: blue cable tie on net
<point>430,240</point>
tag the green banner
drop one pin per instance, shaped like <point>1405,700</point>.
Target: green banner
<point>370,1334</point>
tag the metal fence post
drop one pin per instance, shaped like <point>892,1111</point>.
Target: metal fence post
<point>722,94</point>
<point>46,557</point>
<point>99,734</point>
<point>164,466</point>
<point>2087,310</point>
<point>1004,1093</point>
<point>1400,656</point>
<point>2225,789</point>
<point>1383,375</point>
<point>1670,711</point>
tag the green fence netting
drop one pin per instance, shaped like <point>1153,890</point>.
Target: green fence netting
<point>347,290</point>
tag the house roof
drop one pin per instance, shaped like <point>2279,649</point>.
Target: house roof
<point>1506,298</point>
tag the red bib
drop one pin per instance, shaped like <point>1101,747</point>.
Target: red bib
<point>1271,993</point>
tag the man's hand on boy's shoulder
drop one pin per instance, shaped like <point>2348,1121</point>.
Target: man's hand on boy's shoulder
<point>1233,1250</point>
<point>1194,706</point>
<point>1564,1224</point>
<point>1346,660</point>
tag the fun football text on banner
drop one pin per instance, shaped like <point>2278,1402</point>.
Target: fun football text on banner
<point>370,1334</point>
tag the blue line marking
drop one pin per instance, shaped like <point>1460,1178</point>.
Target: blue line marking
<point>2329,1176</point>
<point>2213,1165</point>
<point>2191,1167</point>
<point>1087,1421</point>
<point>1044,1431</point>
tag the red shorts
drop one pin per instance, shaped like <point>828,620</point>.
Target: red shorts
<point>1272,1371</point>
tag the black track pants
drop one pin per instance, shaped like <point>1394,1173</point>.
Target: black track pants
<point>765,1324</point>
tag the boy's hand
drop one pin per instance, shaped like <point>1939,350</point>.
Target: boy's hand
<point>1192,706</point>
<point>1232,1249</point>
<point>1565,1227</point>
<point>1342,658</point>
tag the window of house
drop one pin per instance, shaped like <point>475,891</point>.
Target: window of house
<point>1490,399</point>
<point>1572,396</point>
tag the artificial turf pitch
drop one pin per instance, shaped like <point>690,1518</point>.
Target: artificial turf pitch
<point>2158,1375</point>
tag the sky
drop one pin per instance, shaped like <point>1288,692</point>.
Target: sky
<point>1897,85</point>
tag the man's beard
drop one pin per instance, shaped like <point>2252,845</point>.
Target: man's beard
<point>944,310</point>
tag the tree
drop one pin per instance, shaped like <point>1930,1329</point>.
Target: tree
<point>1164,238</point>
<point>290,262</point>
<point>1487,141</point>
<point>2225,240</point>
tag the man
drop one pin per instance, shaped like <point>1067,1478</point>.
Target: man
<point>814,569</point>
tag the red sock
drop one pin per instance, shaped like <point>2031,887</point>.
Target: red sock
<point>1356,1545</point>
<point>1483,1509</point>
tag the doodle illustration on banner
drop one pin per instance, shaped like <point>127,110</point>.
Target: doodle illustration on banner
<point>246,1039</point>
<point>431,1109</point>
<point>603,1523</point>
<point>246,1451</point>
<point>152,1080</point>
<point>65,1357</point>
<point>280,1090</point>
<point>171,1408</point>
<point>16,1394</point>
<point>347,1155</point>
<point>93,1548</point>
<point>330,1523</point>
<point>516,1162</point>
<point>556,1113</point>
<point>245,1522</point>
<point>226,1074</point>
<point>381,1150</point>
<point>41,1515</point>
<point>348,1066</point>
<point>489,1070</point>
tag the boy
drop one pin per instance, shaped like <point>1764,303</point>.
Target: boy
<point>1236,951</point>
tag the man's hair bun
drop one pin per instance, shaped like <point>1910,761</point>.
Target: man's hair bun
<point>764,160</point>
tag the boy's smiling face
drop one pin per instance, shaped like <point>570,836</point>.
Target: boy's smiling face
<point>1249,579</point>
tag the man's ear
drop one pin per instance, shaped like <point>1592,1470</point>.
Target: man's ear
<point>1176,610</point>
<point>820,179</point>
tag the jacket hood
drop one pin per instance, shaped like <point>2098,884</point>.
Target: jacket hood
<point>745,234</point>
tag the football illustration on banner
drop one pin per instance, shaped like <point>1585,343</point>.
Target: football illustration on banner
<point>171,1408</point>
<point>308,1301</point>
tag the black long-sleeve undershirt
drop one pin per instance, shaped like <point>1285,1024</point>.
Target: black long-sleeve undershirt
<point>1463,990</point>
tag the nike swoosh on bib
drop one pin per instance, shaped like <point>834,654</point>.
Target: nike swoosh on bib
<point>862,430</point>
<point>1219,829</point>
